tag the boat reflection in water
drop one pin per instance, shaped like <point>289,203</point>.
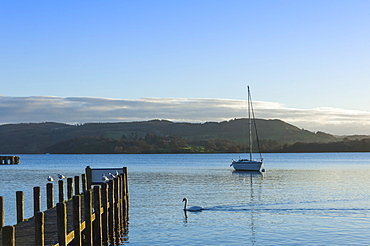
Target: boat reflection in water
<point>253,181</point>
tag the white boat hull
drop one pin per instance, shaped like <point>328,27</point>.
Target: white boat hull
<point>243,165</point>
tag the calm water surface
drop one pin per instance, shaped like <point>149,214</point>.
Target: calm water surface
<point>303,199</point>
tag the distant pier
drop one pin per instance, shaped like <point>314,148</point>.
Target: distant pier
<point>4,160</point>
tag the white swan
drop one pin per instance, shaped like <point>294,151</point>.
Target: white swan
<point>191,209</point>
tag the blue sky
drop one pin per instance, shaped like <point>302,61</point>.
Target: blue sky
<point>301,55</point>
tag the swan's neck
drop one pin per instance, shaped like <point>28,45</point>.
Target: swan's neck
<point>186,204</point>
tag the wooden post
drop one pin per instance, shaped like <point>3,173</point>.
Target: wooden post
<point>117,221</point>
<point>36,200</point>
<point>104,219</point>
<point>69,188</point>
<point>125,195</point>
<point>8,233</point>
<point>125,171</point>
<point>39,229</point>
<point>61,190</point>
<point>126,191</point>
<point>62,223</point>
<point>49,195</point>
<point>120,205</point>
<point>97,231</point>
<point>88,218</point>
<point>123,202</point>
<point>124,206</point>
<point>111,211</point>
<point>88,177</point>
<point>77,185</point>
<point>20,206</point>
<point>1,212</point>
<point>83,176</point>
<point>77,220</point>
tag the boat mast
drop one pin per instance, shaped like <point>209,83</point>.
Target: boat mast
<point>250,124</point>
<point>255,126</point>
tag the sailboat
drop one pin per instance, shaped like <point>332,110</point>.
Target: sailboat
<point>250,164</point>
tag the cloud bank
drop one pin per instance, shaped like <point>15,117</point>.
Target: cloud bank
<point>74,110</point>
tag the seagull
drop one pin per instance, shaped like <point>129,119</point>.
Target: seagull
<point>110,175</point>
<point>50,179</point>
<point>104,178</point>
<point>116,174</point>
<point>61,176</point>
<point>113,176</point>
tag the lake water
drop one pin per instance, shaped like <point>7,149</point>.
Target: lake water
<point>302,199</point>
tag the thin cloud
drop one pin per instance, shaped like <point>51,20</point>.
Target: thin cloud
<point>88,109</point>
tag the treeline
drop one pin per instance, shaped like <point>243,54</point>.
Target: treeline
<point>362,145</point>
<point>153,143</point>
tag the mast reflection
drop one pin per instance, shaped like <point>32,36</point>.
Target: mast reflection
<point>253,182</point>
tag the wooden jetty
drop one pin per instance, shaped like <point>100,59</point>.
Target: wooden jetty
<point>96,216</point>
<point>9,160</point>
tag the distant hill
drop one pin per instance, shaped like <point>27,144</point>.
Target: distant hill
<point>41,137</point>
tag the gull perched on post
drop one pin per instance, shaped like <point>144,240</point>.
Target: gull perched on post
<point>104,178</point>
<point>61,176</point>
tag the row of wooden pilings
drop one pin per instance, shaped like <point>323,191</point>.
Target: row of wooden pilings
<point>99,217</point>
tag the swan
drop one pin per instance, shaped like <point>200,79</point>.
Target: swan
<point>191,209</point>
<point>50,179</point>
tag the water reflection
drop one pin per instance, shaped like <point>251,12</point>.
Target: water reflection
<point>195,211</point>
<point>252,179</point>
<point>249,174</point>
<point>248,186</point>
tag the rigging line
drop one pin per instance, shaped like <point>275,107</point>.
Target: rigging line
<point>245,130</point>
<point>250,124</point>
<point>255,127</point>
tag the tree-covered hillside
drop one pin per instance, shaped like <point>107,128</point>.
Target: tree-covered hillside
<point>96,137</point>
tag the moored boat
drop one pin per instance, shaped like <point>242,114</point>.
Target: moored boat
<point>247,165</point>
<point>250,164</point>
